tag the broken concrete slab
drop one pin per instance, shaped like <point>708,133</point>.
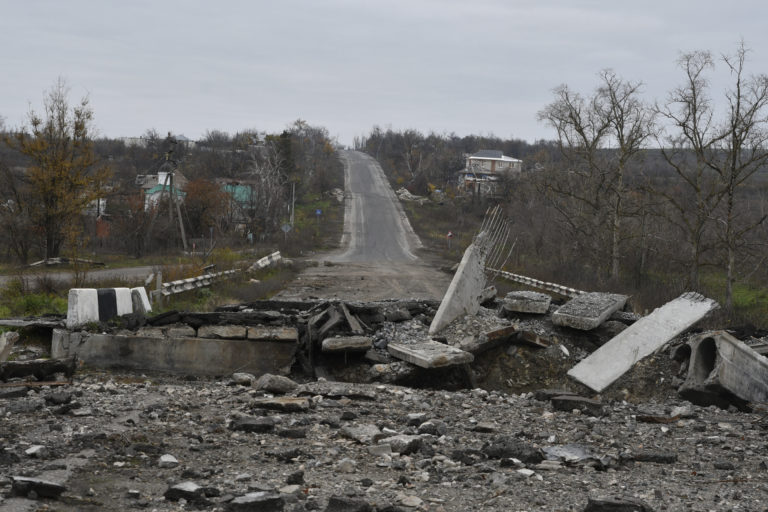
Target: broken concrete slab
<point>724,371</point>
<point>346,344</point>
<point>464,292</point>
<point>430,354</point>
<point>641,339</point>
<point>588,310</point>
<point>224,332</point>
<point>193,356</point>
<point>527,302</point>
<point>265,333</point>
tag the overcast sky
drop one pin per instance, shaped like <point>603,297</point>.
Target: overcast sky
<point>464,66</point>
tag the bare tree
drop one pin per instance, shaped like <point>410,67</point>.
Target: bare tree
<point>741,150</point>
<point>590,191</point>
<point>685,145</point>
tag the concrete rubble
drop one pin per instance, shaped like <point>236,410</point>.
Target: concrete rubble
<point>366,409</point>
<point>641,339</point>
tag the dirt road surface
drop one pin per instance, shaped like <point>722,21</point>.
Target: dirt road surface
<point>379,254</point>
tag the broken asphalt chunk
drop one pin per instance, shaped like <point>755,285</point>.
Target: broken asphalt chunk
<point>617,505</point>
<point>503,447</point>
<point>347,504</point>
<point>250,424</point>
<point>284,404</point>
<point>189,491</point>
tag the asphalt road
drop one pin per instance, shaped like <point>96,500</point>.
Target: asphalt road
<point>376,229</point>
<point>377,259</point>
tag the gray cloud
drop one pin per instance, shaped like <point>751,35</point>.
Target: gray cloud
<point>448,66</point>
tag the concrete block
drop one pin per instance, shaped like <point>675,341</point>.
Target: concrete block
<point>346,344</point>
<point>151,332</point>
<point>588,311</point>
<point>82,307</point>
<point>466,288</point>
<point>527,302</point>
<point>181,331</point>
<point>724,371</point>
<point>124,302</point>
<point>140,300</point>
<point>229,332</point>
<point>107,303</point>
<point>192,356</point>
<point>265,333</point>
<point>641,339</point>
<point>429,354</point>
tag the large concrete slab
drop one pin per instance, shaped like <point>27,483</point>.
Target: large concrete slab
<point>724,371</point>
<point>192,356</point>
<point>612,360</point>
<point>589,310</point>
<point>429,354</point>
<point>466,288</point>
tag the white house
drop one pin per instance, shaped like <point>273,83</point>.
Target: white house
<point>484,169</point>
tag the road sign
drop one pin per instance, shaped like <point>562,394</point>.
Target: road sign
<point>449,235</point>
<point>318,212</point>
<point>285,227</point>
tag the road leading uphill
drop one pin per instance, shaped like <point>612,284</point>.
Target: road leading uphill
<point>377,259</point>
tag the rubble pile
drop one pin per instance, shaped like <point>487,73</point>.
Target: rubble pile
<point>372,412</point>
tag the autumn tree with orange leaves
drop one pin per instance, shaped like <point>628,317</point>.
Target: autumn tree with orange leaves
<point>63,175</point>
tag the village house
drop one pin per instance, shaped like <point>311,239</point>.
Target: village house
<point>484,169</point>
<point>157,185</point>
